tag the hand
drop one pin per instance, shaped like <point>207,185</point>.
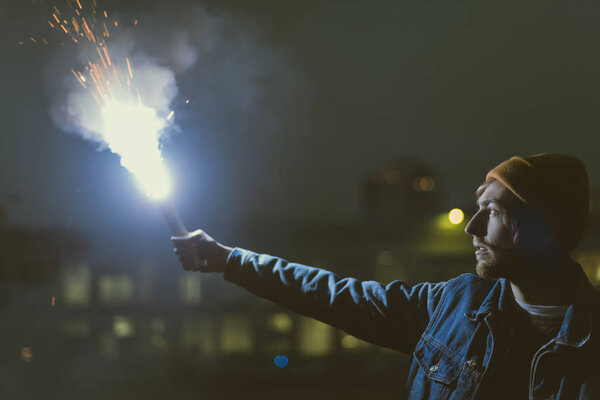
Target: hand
<point>211,255</point>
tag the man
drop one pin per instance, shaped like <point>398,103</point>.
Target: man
<point>526,326</point>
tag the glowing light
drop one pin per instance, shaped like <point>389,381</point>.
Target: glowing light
<point>27,354</point>
<point>53,302</point>
<point>456,216</point>
<point>281,322</point>
<point>132,131</point>
<point>423,184</point>
<point>122,327</point>
<point>280,361</point>
<point>350,342</point>
<point>170,115</point>
<point>129,128</point>
<point>187,101</point>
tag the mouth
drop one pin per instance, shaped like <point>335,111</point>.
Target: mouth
<point>479,251</point>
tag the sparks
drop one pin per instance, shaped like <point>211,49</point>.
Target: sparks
<point>129,68</point>
<point>130,128</point>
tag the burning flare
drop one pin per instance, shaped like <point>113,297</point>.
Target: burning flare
<point>132,131</point>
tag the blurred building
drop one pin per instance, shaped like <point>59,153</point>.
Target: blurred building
<point>179,334</point>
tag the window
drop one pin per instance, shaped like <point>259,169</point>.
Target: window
<point>349,342</point>
<point>236,335</point>
<point>315,338</point>
<point>115,289</point>
<point>190,288</point>
<point>76,285</point>
<point>281,323</point>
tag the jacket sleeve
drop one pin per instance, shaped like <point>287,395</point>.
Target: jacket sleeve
<point>392,315</point>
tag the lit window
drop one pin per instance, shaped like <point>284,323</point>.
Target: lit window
<point>123,327</point>
<point>115,289</point>
<point>281,322</point>
<point>26,354</point>
<point>315,337</point>
<point>351,343</point>
<point>197,333</point>
<point>76,285</point>
<point>423,184</point>
<point>190,288</point>
<point>236,335</point>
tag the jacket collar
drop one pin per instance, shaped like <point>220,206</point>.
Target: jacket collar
<point>580,325</point>
<point>497,302</point>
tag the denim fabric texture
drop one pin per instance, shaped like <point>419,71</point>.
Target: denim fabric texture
<point>456,331</point>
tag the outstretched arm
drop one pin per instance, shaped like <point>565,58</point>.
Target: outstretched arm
<point>392,315</point>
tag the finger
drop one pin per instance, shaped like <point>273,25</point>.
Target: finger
<point>182,252</point>
<point>184,246</point>
<point>181,240</point>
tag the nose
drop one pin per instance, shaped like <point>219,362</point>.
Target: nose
<point>476,226</point>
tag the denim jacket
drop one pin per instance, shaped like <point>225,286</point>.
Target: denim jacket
<point>455,330</point>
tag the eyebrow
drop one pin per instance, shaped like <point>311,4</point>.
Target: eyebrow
<point>487,202</point>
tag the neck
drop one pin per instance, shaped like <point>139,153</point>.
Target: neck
<point>552,284</point>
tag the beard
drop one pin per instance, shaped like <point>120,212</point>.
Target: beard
<point>497,263</point>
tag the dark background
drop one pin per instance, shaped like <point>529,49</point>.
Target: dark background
<point>339,90</point>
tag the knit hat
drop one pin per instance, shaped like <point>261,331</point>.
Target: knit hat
<point>554,185</point>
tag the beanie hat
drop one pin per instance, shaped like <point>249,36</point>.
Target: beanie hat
<point>554,185</point>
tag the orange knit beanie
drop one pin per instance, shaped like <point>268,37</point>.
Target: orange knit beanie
<point>554,185</point>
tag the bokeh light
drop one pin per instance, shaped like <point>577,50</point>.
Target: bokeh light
<point>280,361</point>
<point>456,216</point>
<point>281,322</point>
<point>27,354</point>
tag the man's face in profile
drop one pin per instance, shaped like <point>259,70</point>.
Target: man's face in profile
<point>495,249</point>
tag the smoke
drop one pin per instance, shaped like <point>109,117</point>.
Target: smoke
<point>229,61</point>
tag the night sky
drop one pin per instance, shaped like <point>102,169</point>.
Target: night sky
<point>293,103</point>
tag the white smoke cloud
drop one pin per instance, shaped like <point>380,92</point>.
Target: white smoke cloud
<point>233,68</point>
